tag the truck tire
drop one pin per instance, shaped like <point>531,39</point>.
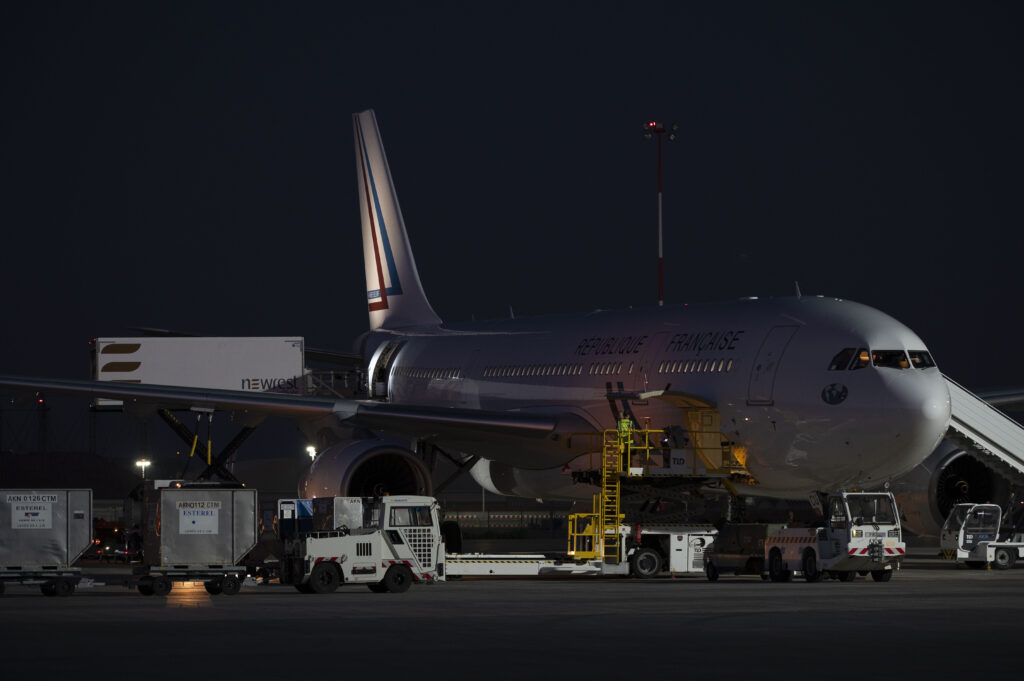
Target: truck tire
<point>48,589</point>
<point>846,576</point>
<point>711,572</point>
<point>777,571</point>
<point>377,587</point>
<point>975,564</point>
<point>810,566</point>
<point>212,587</point>
<point>397,579</point>
<point>645,563</point>
<point>145,586</point>
<point>230,585</point>
<point>161,586</point>
<point>324,578</point>
<point>882,575</point>
<point>1004,558</point>
<point>303,588</point>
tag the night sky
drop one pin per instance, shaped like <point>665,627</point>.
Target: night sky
<point>191,166</point>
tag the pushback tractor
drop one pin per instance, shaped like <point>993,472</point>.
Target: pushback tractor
<point>386,543</point>
<point>861,534</point>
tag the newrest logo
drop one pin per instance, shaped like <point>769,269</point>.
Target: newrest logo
<point>279,385</point>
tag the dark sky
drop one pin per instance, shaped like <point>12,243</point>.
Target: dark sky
<point>190,166</point>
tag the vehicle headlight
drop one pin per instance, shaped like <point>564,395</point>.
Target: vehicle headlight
<point>894,533</point>
<point>857,533</point>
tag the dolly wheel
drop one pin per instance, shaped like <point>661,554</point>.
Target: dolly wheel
<point>63,587</point>
<point>212,587</point>
<point>161,586</point>
<point>230,585</point>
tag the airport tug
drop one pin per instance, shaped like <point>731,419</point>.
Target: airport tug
<point>861,534</point>
<point>386,543</point>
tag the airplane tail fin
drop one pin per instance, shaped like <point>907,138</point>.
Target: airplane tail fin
<point>393,290</point>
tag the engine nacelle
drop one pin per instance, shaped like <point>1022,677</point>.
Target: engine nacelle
<point>365,468</point>
<point>949,476</point>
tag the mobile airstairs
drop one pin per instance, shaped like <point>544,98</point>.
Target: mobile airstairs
<point>986,433</point>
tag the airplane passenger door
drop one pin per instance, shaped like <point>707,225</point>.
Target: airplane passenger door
<point>379,370</point>
<point>762,375</point>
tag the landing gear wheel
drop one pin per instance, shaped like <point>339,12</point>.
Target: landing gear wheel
<point>161,586</point>
<point>882,575</point>
<point>230,585</point>
<point>304,588</point>
<point>377,588</point>
<point>397,579</point>
<point>1004,558</point>
<point>777,571</point>
<point>324,578</point>
<point>847,576</point>
<point>810,565</point>
<point>48,589</point>
<point>711,571</point>
<point>212,587</point>
<point>645,563</point>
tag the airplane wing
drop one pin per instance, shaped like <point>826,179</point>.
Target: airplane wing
<point>413,421</point>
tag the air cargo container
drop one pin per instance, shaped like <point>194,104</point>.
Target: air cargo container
<point>42,533</point>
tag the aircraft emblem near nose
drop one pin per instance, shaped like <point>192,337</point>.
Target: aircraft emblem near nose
<point>834,393</point>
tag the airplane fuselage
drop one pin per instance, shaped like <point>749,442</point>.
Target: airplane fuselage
<point>768,367</point>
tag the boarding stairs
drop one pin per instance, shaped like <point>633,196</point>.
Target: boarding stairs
<point>986,433</point>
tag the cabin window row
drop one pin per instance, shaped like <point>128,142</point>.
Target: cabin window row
<point>695,366</point>
<point>534,370</point>
<point>426,372</point>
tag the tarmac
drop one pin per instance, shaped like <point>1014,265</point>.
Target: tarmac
<point>933,617</point>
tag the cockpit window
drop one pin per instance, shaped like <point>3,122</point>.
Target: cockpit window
<point>892,359</point>
<point>862,359</point>
<point>842,359</point>
<point>921,359</point>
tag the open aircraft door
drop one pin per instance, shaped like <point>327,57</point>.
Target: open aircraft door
<point>378,375</point>
<point>762,375</point>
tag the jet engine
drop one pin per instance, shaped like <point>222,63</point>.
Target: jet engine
<point>365,468</point>
<point>949,476</point>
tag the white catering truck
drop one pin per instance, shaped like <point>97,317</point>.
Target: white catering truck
<point>256,363</point>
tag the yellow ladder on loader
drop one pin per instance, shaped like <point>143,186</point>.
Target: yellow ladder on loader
<point>613,454</point>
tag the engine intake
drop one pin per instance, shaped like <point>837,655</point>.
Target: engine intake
<point>365,468</point>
